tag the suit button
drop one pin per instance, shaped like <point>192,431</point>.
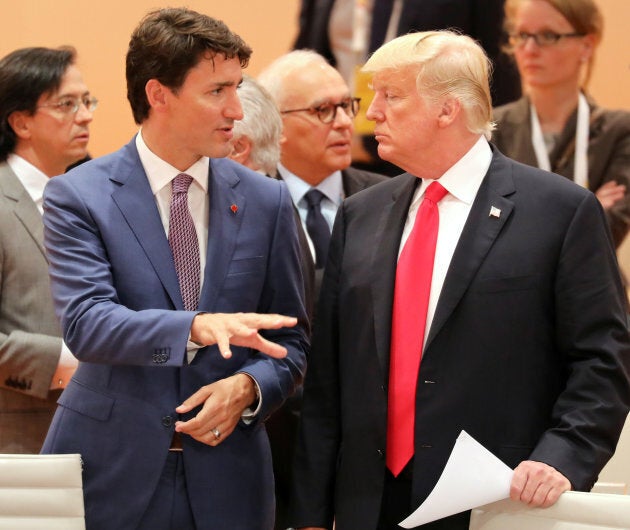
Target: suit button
<point>380,453</point>
<point>167,421</point>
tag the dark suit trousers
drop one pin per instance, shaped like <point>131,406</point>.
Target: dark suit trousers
<point>396,506</point>
<point>169,508</point>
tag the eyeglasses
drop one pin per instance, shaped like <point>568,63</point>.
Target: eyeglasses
<point>68,106</point>
<point>328,111</point>
<point>542,39</point>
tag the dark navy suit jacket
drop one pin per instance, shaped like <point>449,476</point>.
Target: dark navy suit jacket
<point>116,291</point>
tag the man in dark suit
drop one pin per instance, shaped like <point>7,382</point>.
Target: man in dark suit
<point>165,262</point>
<point>520,331</point>
<point>317,110</point>
<point>315,147</point>
<point>45,113</point>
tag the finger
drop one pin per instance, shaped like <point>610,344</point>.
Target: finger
<point>270,348</point>
<point>194,400</point>
<point>223,344</point>
<point>270,321</point>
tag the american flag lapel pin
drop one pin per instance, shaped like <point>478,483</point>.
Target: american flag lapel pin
<point>495,212</point>
<point>234,208</point>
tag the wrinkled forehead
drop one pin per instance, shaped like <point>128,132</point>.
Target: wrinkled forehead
<point>314,84</point>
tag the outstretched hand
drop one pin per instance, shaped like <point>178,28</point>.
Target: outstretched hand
<point>239,329</point>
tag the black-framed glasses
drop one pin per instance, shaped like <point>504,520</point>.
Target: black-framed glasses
<point>328,111</point>
<point>542,39</point>
<point>70,106</point>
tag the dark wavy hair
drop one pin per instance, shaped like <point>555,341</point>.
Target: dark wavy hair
<point>167,44</point>
<point>25,75</point>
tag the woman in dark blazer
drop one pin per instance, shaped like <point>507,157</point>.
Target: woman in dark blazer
<point>556,126</point>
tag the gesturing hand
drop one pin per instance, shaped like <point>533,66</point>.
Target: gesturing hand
<point>239,329</point>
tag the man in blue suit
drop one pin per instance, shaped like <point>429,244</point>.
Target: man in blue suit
<point>168,403</point>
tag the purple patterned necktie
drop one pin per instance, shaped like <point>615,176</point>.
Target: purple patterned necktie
<point>182,238</point>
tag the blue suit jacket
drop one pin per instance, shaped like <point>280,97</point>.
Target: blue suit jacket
<point>116,292</point>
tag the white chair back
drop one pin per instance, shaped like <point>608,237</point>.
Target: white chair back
<point>573,511</point>
<point>40,492</point>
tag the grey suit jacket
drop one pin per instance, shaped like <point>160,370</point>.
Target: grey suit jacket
<point>30,336</point>
<point>608,151</point>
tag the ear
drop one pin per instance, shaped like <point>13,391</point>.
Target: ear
<point>241,149</point>
<point>448,111</point>
<point>20,122</point>
<point>156,94</point>
<point>588,48</point>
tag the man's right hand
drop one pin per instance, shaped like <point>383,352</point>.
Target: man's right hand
<point>239,329</point>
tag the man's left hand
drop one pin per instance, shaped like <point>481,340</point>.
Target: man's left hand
<point>223,404</point>
<point>537,484</point>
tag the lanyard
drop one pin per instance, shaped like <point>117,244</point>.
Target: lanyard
<point>580,172</point>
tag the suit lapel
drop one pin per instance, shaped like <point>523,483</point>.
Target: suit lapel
<point>384,260</point>
<point>24,207</point>
<point>136,202</point>
<point>479,233</point>
<point>227,210</point>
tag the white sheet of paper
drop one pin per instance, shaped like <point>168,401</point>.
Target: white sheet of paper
<point>472,477</point>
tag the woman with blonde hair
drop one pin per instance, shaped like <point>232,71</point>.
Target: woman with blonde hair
<point>556,125</point>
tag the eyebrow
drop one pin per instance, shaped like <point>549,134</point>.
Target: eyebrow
<point>221,84</point>
<point>328,101</point>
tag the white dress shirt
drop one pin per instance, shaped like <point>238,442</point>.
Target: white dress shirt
<point>160,174</point>
<point>462,181</point>
<point>34,182</point>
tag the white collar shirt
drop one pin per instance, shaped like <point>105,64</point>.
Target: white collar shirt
<point>462,181</point>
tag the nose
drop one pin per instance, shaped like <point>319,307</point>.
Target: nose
<point>374,111</point>
<point>530,45</point>
<point>234,109</point>
<point>83,114</point>
<point>341,119</point>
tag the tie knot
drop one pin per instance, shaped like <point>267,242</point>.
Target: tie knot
<point>314,197</point>
<point>435,192</point>
<point>181,183</point>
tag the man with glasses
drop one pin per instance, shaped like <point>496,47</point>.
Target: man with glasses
<point>317,111</point>
<point>45,112</point>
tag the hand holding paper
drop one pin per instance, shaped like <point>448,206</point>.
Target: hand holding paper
<point>472,477</point>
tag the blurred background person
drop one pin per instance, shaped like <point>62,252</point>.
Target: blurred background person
<point>346,32</point>
<point>256,140</point>
<point>45,112</point>
<point>556,125</point>
<point>317,111</point>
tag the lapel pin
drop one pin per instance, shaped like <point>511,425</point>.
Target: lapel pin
<point>234,208</point>
<point>495,212</point>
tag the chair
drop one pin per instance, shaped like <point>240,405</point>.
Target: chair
<point>40,492</point>
<point>573,511</point>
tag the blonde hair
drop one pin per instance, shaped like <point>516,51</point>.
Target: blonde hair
<point>583,15</point>
<point>448,65</point>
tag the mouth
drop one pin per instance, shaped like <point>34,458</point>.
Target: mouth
<point>227,132</point>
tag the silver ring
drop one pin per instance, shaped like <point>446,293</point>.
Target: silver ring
<point>217,433</point>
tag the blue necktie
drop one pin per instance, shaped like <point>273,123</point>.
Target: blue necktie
<point>317,226</point>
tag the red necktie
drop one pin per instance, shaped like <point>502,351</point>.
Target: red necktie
<point>182,238</point>
<point>411,299</point>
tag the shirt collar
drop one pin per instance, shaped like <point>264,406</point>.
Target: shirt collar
<point>33,179</point>
<point>331,186</point>
<point>463,179</point>
<point>160,173</point>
